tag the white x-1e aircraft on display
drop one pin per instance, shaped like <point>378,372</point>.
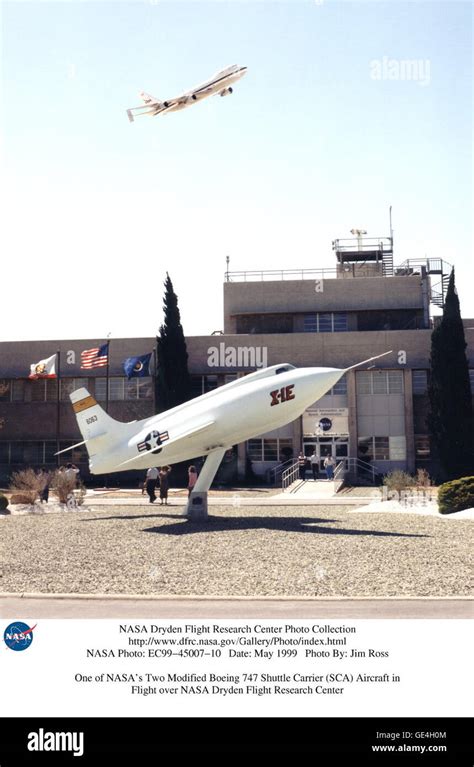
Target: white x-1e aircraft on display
<point>207,425</point>
<point>220,83</point>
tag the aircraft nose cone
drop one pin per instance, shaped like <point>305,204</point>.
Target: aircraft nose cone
<point>322,380</point>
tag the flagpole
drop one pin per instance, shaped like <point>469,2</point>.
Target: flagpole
<point>107,372</point>
<point>58,404</point>
<point>154,377</point>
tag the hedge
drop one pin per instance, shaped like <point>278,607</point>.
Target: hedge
<point>456,495</point>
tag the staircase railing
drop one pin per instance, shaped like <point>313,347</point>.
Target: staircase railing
<point>289,475</point>
<point>340,475</point>
<point>273,475</point>
<point>353,466</point>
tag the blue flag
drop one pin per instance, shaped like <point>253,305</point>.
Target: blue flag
<point>137,367</point>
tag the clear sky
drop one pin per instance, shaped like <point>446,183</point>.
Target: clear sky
<point>319,137</point>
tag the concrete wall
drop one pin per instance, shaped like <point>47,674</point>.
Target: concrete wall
<point>320,349</point>
<point>336,295</point>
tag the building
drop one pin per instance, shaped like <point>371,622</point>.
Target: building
<point>330,318</point>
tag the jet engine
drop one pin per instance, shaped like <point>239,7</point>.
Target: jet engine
<point>226,92</point>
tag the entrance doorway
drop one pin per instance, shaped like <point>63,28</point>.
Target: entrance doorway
<point>338,447</point>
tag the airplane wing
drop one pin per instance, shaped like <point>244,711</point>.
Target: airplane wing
<point>183,435</point>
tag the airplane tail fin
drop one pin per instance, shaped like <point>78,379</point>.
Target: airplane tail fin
<point>98,429</point>
<point>149,99</point>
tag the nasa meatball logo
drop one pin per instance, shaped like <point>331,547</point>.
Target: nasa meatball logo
<point>18,636</point>
<point>325,424</point>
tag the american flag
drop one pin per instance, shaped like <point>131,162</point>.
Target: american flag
<point>95,358</point>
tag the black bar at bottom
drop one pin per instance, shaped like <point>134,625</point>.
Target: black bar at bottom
<point>374,740</point>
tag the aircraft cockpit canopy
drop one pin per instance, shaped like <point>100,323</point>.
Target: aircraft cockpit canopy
<point>284,369</point>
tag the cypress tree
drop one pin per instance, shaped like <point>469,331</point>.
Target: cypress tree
<point>172,382</point>
<point>450,420</point>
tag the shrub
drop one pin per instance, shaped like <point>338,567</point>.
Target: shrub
<point>3,502</point>
<point>396,481</point>
<point>456,495</point>
<point>27,485</point>
<point>66,487</point>
<point>423,478</point>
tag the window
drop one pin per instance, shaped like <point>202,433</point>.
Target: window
<point>264,323</point>
<point>4,452</point>
<point>38,390</point>
<point>18,390</point>
<point>116,388</point>
<point>144,388</point>
<point>271,449</point>
<point>471,379</point>
<point>196,386</point>
<point>340,387</point>
<point>68,385</point>
<point>130,388</point>
<point>395,381</point>
<point>340,322</point>
<point>397,448</point>
<point>381,449</point>
<point>325,322</point>
<point>379,382</point>
<point>420,381</point>
<point>4,390</point>
<point>30,453</point>
<point>341,449</point>
<point>49,451</point>
<point>254,448</point>
<point>210,383</point>
<point>422,447</point>
<point>285,449</point>
<point>51,390</point>
<point>364,383</point>
<point>365,448</point>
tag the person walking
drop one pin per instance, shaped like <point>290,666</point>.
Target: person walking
<point>44,492</point>
<point>302,465</point>
<point>163,478</point>
<point>72,473</point>
<point>329,464</point>
<point>314,461</point>
<point>192,479</point>
<point>151,480</point>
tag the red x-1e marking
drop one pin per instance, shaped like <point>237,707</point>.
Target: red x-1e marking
<point>282,395</point>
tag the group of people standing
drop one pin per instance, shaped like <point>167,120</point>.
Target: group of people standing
<point>329,464</point>
<point>159,476</point>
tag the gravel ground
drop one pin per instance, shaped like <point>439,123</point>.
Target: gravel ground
<point>247,551</point>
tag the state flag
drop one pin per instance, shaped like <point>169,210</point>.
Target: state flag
<point>95,358</point>
<point>137,367</point>
<point>44,368</point>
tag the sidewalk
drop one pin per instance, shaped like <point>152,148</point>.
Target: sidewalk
<point>316,493</point>
<point>317,489</point>
<point>204,608</point>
